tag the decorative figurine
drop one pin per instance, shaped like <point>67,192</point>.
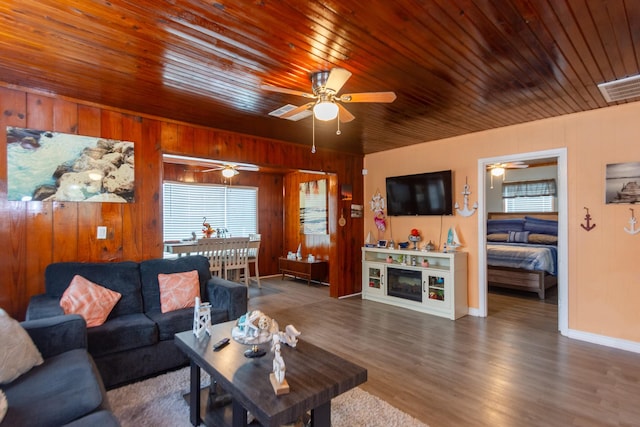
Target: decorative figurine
<point>465,211</point>
<point>277,377</point>
<point>632,223</point>
<point>206,228</point>
<point>201,318</point>
<point>289,336</point>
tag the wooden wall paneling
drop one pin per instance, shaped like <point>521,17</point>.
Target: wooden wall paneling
<point>149,165</point>
<point>13,226</point>
<point>201,141</point>
<point>39,219</point>
<point>39,112</point>
<point>65,116</point>
<point>185,138</point>
<point>169,137</point>
<point>133,215</point>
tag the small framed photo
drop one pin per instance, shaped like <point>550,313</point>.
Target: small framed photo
<point>382,243</point>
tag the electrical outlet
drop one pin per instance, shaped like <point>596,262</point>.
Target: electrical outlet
<point>102,232</point>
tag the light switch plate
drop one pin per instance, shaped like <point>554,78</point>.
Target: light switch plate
<point>102,232</point>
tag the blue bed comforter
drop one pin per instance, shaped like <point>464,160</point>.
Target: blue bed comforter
<point>525,256</point>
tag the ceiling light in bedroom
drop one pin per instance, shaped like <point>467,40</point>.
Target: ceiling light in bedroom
<point>498,171</point>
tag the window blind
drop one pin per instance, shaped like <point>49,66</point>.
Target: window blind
<point>186,205</point>
<point>529,196</point>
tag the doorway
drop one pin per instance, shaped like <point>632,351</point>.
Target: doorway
<point>561,156</point>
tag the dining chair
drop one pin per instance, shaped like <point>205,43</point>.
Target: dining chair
<point>252,256</point>
<point>213,249</point>
<point>235,257</point>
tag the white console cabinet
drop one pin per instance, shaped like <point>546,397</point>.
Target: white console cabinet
<point>430,282</point>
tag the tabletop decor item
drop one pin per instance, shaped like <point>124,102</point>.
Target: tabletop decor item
<point>201,318</point>
<point>414,237</point>
<point>206,228</point>
<point>254,328</point>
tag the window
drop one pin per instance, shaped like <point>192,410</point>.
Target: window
<point>186,205</point>
<point>529,196</point>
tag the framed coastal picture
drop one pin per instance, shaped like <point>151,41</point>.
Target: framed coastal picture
<point>313,207</point>
<point>54,166</point>
<point>622,183</point>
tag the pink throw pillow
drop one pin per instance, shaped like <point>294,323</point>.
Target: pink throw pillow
<point>178,290</point>
<point>91,301</point>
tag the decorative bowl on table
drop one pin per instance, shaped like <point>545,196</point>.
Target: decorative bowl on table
<point>254,328</point>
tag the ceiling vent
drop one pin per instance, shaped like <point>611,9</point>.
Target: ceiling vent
<point>619,90</point>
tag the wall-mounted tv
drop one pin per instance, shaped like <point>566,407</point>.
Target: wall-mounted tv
<point>420,194</point>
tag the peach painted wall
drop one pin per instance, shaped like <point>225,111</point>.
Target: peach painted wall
<point>604,264</point>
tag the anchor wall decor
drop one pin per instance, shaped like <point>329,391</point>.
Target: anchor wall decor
<point>587,217</point>
<point>465,211</point>
<point>632,222</point>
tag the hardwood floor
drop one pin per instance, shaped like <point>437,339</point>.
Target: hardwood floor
<point>510,369</point>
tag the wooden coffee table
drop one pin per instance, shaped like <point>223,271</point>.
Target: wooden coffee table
<point>315,376</point>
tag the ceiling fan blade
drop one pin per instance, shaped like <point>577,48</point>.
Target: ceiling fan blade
<point>288,91</point>
<point>337,78</point>
<point>369,97</point>
<point>344,114</point>
<point>517,166</point>
<point>297,110</point>
<point>211,170</point>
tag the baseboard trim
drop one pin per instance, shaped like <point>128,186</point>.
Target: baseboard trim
<point>604,340</point>
<point>474,312</point>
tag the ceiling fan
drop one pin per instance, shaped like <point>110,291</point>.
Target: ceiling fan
<point>230,170</point>
<point>326,104</point>
<point>499,169</point>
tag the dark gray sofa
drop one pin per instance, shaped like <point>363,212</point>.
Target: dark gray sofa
<point>66,389</point>
<point>136,341</point>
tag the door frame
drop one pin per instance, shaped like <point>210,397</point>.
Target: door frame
<point>563,295</point>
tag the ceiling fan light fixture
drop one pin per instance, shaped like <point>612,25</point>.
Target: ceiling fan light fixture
<point>497,171</point>
<point>325,110</point>
<point>229,172</point>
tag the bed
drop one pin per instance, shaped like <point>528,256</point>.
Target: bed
<point>522,251</point>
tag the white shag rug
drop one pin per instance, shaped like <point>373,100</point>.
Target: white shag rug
<point>159,402</point>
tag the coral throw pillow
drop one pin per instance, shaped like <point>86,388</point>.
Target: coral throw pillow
<point>18,354</point>
<point>91,301</point>
<point>178,290</point>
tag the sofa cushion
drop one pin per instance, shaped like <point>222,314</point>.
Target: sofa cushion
<point>64,388</point>
<point>90,300</point>
<point>178,290</point>
<point>122,333</point>
<point>122,277</point>
<point>150,269</point>
<point>18,353</point>
<point>181,320</point>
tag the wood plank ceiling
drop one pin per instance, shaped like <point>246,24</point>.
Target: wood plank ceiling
<point>457,66</point>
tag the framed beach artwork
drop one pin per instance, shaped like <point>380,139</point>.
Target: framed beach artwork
<point>55,166</point>
<point>313,207</point>
<point>622,184</point>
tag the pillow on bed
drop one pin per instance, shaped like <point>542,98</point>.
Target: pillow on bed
<point>543,239</point>
<point>540,226</point>
<point>518,237</point>
<point>498,237</point>
<point>505,225</point>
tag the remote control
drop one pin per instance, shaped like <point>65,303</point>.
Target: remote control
<point>221,343</point>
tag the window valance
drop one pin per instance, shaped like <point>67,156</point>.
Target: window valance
<point>536,188</point>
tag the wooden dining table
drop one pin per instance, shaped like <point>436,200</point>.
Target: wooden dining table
<point>181,247</point>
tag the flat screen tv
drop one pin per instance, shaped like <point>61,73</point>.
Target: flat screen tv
<point>420,194</point>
